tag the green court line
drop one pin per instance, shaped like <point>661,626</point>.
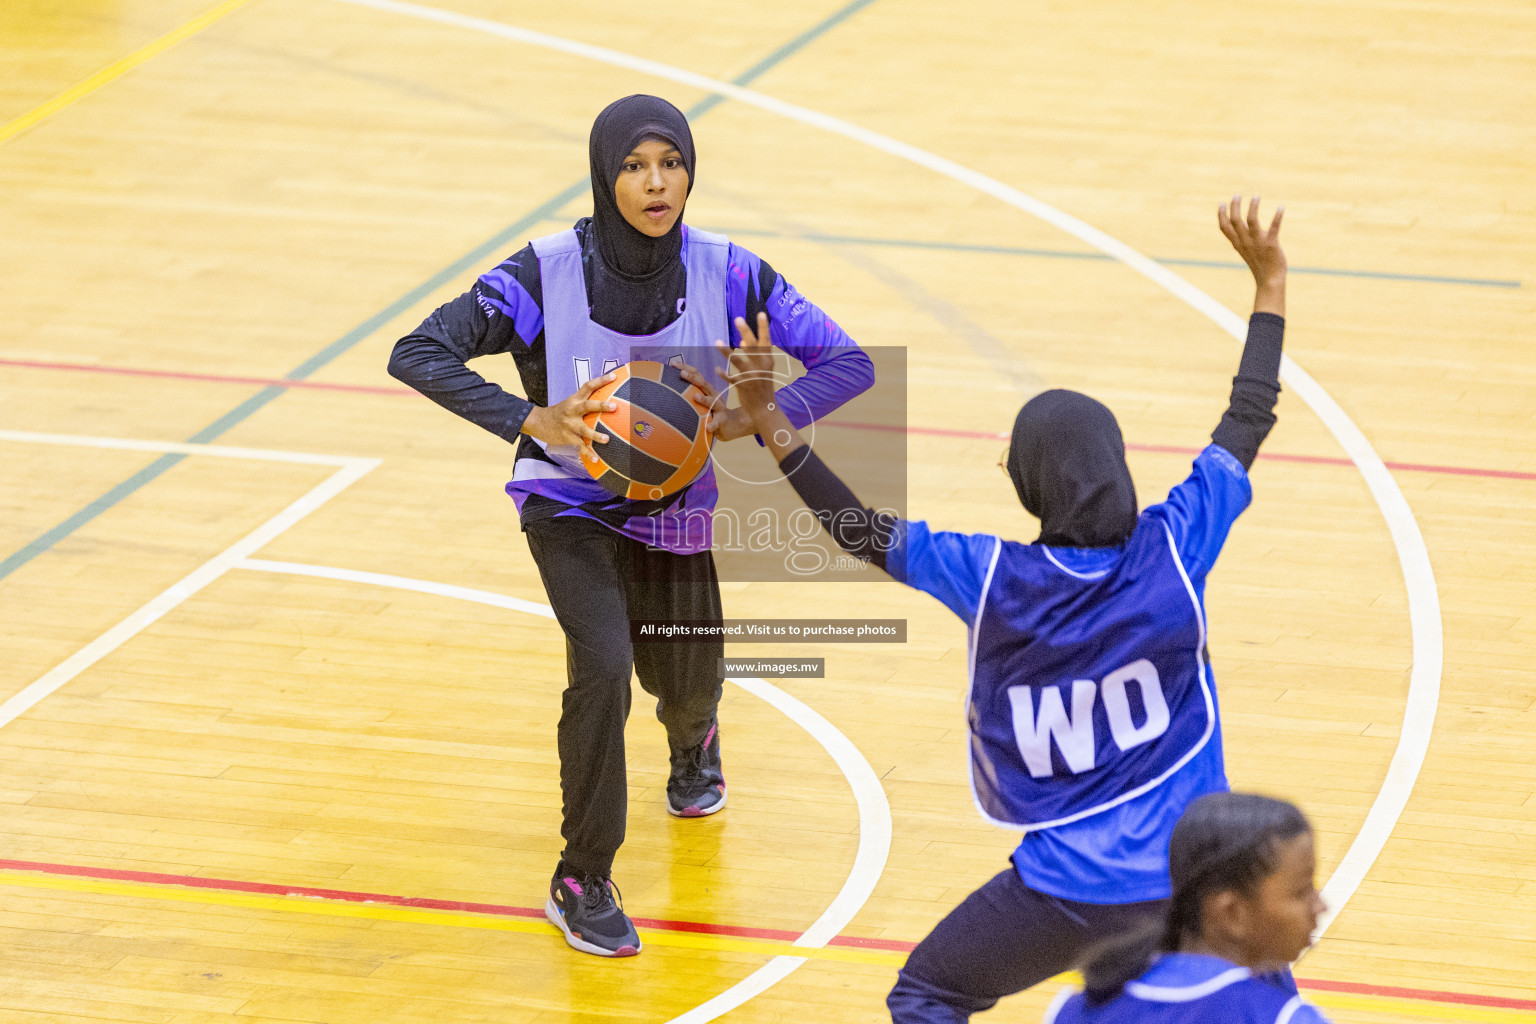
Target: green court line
<point>118,492</point>
<point>468,261</point>
<point>778,56</point>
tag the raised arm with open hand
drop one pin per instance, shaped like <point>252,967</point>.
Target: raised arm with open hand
<point>1255,389</point>
<point>1259,248</point>
<point>751,377</point>
<point>855,528</point>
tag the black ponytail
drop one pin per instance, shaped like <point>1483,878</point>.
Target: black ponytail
<point>1113,963</point>
<point>1223,842</point>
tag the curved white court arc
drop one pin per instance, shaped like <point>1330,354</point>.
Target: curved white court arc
<point>1413,556</point>
<point>874,810</point>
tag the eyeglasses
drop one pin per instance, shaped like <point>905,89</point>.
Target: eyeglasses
<point>1002,460</point>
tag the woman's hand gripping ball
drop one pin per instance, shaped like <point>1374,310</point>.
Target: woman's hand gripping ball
<point>562,423</point>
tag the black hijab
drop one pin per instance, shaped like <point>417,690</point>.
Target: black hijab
<point>1067,461</point>
<point>627,253</point>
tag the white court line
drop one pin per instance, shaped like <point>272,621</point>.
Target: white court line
<point>183,448</point>
<point>349,470</point>
<point>380,579</point>
<point>1413,556</point>
<point>874,809</point>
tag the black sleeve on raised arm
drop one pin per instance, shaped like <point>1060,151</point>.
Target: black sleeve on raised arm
<point>856,529</point>
<point>1255,389</point>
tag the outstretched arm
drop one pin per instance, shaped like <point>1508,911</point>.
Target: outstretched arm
<point>837,370</point>
<point>751,376</point>
<point>1250,413</point>
<point>856,529</point>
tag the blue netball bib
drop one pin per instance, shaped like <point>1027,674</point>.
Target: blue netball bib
<point>1191,988</point>
<point>1086,689</point>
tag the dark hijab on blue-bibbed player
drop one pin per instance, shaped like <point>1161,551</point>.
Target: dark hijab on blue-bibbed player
<point>1067,462</point>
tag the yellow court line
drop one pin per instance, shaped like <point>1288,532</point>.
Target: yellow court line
<point>117,69</point>
<point>422,915</point>
<point>1398,1005</point>
<point>1418,1008</point>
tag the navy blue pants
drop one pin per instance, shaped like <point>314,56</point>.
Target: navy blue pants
<point>1003,938</point>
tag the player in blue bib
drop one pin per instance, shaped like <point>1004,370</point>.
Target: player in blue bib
<point>1244,906</point>
<point>1092,712</point>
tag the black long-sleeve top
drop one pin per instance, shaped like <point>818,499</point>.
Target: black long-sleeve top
<point>503,313</point>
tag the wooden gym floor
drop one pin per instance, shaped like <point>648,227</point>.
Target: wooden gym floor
<point>278,731</point>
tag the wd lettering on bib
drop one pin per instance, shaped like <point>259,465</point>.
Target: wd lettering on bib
<point>1086,690</point>
<point>582,368</point>
<point>1074,734</point>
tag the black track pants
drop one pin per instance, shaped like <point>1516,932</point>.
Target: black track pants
<point>597,580</point>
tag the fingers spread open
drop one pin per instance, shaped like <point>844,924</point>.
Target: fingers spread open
<point>691,374</point>
<point>747,337</point>
<point>1224,219</point>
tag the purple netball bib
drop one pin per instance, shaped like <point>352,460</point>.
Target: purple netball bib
<point>577,349</point>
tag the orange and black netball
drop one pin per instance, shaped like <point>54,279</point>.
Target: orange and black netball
<point>657,441</point>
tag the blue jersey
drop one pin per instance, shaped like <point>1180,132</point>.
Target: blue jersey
<point>1190,988</point>
<point>1092,713</point>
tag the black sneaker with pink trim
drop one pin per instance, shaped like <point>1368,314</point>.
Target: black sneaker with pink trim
<point>587,910</point>
<point>697,786</point>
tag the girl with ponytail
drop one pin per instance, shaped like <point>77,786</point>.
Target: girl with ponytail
<point>1243,907</point>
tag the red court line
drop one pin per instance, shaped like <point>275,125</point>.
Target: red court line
<point>1334,460</point>
<point>1416,994</point>
<point>984,435</point>
<point>213,378</point>
<point>423,902</point>
<point>1168,449</point>
<point>496,909</point>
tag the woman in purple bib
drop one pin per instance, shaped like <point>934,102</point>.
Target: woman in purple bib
<point>629,282</point>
